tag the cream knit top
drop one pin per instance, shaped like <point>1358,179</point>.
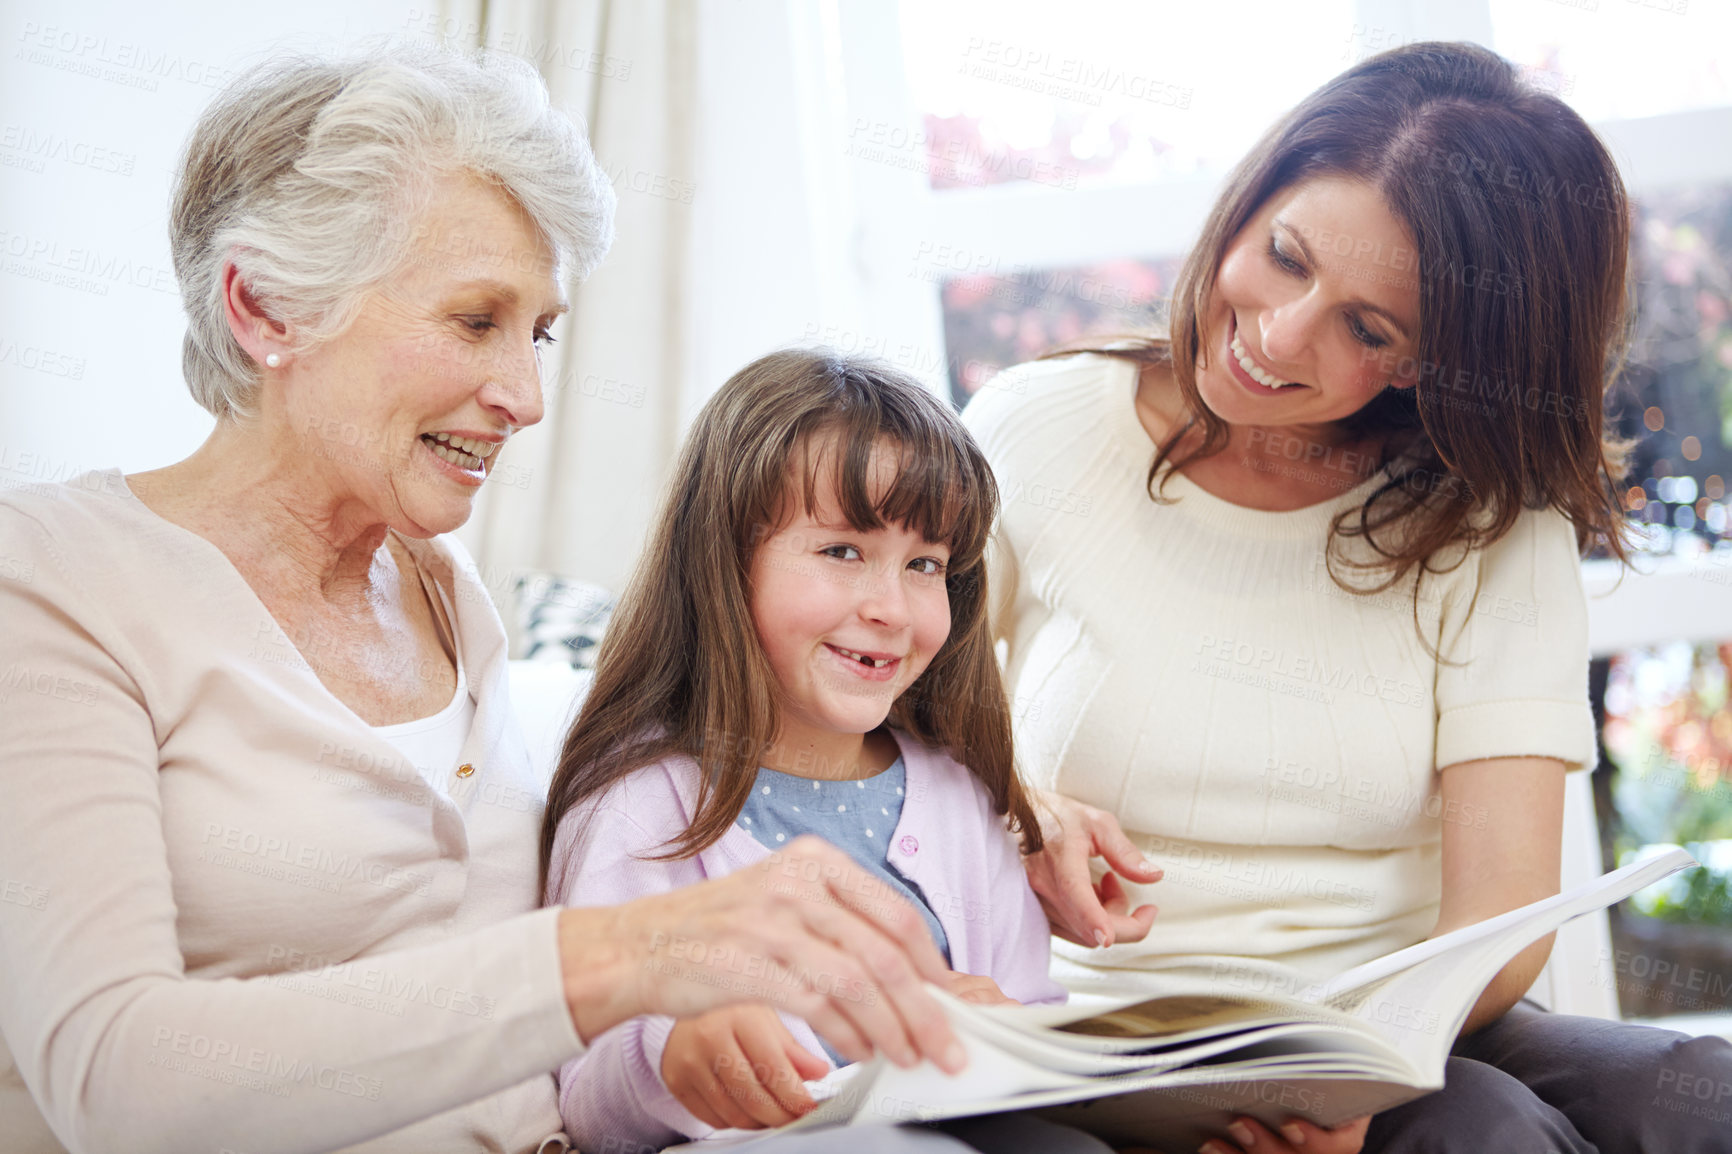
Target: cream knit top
<point>236,916</point>
<point>1270,739</point>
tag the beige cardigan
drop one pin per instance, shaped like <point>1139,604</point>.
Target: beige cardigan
<point>233,917</point>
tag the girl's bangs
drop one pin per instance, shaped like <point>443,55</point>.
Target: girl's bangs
<point>937,490</point>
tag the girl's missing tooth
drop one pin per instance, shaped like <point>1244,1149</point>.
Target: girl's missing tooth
<point>803,649</point>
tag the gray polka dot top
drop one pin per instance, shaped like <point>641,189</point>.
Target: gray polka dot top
<point>855,816</point>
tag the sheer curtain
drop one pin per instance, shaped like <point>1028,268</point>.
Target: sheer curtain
<point>724,131</point>
<point>575,492</point>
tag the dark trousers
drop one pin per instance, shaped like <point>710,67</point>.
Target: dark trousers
<point>1534,1083</point>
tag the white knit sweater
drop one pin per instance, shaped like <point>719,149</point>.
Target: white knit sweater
<point>1270,739</point>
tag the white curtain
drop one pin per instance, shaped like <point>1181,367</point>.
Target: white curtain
<point>574,493</point>
<point>724,128</point>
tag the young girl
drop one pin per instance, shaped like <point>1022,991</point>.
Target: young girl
<point>803,650</point>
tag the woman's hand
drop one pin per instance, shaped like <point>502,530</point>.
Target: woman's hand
<point>1081,911</point>
<point>976,988</point>
<point>739,1067</point>
<point>1297,1136</point>
<point>806,930</point>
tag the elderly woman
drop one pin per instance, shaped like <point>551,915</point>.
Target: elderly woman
<point>269,839</point>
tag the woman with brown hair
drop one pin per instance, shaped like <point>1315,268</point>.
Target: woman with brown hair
<point>1318,643</point>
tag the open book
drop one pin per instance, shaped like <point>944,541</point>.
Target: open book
<point>1173,1070</point>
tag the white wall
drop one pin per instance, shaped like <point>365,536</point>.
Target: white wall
<point>796,242</point>
<point>96,98</point>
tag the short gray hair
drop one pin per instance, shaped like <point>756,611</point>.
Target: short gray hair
<point>308,173</point>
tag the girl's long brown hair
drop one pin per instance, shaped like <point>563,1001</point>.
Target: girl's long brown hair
<point>681,669</point>
<point>1522,230</point>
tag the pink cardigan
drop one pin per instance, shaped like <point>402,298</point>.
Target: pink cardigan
<point>948,841</point>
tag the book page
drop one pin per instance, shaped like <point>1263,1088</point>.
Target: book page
<point>1151,1024</point>
<point>1405,1010</point>
<point>1179,1117</point>
<point>1267,1074</point>
<point>1419,1007</point>
<point>1183,1014</point>
<point>1350,1037</point>
<point>1186,1108</point>
<point>1534,920</point>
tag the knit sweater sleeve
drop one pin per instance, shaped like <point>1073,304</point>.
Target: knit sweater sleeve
<point>1514,679</point>
<point>613,1097</point>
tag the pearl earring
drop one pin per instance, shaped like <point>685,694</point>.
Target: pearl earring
<point>273,360</point>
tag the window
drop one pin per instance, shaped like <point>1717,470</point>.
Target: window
<point>1090,136</point>
<point>1621,59</point>
<point>1676,399</point>
<point>1113,93</point>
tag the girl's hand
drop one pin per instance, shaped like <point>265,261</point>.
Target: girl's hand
<point>1297,1136</point>
<point>806,930</point>
<point>1078,909</point>
<point>976,988</point>
<point>739,1067</point>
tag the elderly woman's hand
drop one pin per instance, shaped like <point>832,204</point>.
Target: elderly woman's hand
<point>1081,910</point>
<point>807,931</point>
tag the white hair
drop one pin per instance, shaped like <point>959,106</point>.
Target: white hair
<point>309,174</point>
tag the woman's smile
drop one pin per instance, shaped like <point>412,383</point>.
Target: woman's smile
<point>462,458</point>
<point>1248,372</point>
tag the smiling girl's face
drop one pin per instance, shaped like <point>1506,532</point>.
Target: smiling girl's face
<point>1315,305</point>
<point>848,618</point>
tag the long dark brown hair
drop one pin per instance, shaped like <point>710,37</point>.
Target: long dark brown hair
<point>681,669</point>
<point>1522,230</point>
